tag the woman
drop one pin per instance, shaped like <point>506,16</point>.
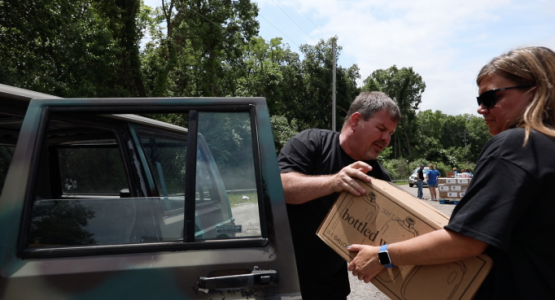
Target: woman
<point>432,175</point>
<point>507,209</point>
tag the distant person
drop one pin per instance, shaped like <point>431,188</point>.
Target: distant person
<point>507,211</point>
<point>316,165</point>
<point>455,172</point>
<point>464,173</point>
<point>420,181</point>
<point>432,176</point>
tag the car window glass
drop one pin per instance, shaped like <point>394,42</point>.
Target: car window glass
<point>6,155</point>
<point>166,157</point>
<point>80,180</point>
<point>93,168</point>
<point>9,131</point>
<point>83,194</point>
<point>229,148</point>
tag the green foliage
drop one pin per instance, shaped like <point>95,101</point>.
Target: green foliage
<point>405,87</point>
<point>397,168</point>
<point>201,39</point>
<point>78,48</point>
<point>283,131</point>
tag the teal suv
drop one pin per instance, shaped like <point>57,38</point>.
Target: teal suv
<point>150,198</point>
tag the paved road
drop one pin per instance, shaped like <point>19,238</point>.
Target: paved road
<point>364,291</point>
<point>246,215</point>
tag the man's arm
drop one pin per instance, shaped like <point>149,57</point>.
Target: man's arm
<point>300,188</point>
<point>438,247</point>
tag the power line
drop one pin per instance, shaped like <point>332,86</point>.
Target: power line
<point>308,35</point>
<point>279,30</point>
<point>321,31</point>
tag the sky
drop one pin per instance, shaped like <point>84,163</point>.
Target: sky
<point>446,42</point>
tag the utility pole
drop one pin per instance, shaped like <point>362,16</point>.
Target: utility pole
<point>465,139</point>
<point>333,94</point>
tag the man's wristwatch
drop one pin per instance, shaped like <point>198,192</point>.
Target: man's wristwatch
<point>383,256</point>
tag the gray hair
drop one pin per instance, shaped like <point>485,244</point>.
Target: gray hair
<point>368,103</point>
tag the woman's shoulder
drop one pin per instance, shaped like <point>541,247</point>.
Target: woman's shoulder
<point>510,145</point>
<point>506,141</point>
<point>514,138</point>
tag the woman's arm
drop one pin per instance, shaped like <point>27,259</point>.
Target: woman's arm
<point>438,247</point>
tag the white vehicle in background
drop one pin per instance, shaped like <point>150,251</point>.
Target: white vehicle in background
<point>414,175</point>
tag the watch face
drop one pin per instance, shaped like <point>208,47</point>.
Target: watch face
<point>384,258</point>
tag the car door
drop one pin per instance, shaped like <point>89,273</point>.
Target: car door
<point>105,199</point>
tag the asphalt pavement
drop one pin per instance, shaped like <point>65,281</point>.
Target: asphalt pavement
<point>365,291</point>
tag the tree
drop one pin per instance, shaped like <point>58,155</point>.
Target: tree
<point>315,102</point>
<point>69,48</point>
<point>406,88</point>
<point>121,17</point>
<point>201,37</point>
<point>450,139</point>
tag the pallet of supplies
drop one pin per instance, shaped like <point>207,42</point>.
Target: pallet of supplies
<point>452,189</point>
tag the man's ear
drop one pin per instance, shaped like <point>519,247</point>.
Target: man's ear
<point>354,119</point>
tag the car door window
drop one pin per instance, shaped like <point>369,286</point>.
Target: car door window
<point>80,180</point>
<point>9,131</point>
<point>83,194</point>
<point>228,137</point>
<point>90,169</point>
<point>6,155</point>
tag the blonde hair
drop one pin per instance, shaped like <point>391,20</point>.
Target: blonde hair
<point>431,166</point>
<point>534,66</point>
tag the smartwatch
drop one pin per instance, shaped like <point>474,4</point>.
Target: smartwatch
<point>383,256</point>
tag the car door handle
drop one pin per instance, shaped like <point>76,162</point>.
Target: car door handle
<point>255,279</point>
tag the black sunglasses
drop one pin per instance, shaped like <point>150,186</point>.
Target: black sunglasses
<point>488,98</point>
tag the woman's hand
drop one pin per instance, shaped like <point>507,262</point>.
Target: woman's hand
<point>366,264</point>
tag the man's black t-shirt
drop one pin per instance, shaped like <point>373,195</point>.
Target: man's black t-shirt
<point>420,174</point>
<point>322,273</point>
<point>510,205</point>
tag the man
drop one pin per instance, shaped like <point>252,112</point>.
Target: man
<point>420,181</point>
<point>317,165</point>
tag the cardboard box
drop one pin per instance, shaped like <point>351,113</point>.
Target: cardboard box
<point>387,215</point>
<point>448,194</point>
<point>443,188</point>
<point>455,188</point>
<point>463,181</point>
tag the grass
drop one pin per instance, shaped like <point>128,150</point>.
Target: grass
<point>237,199</point>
